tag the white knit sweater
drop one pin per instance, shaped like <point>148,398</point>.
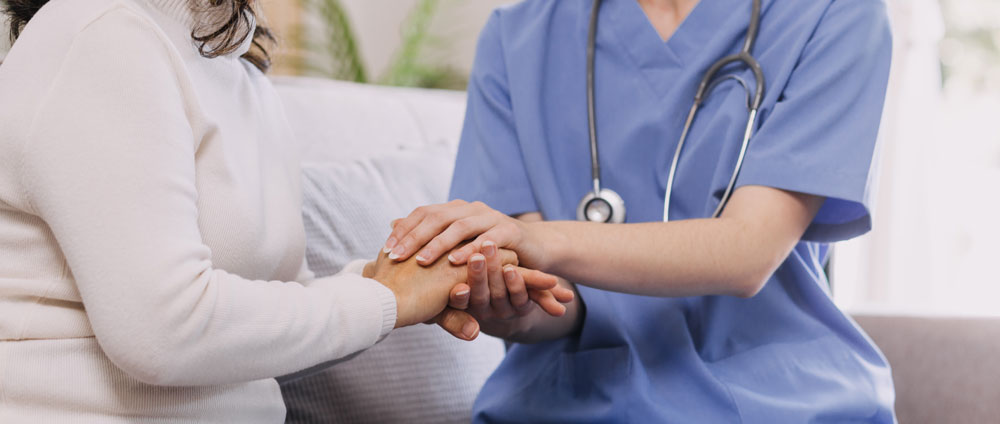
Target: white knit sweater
<point>151,241</point>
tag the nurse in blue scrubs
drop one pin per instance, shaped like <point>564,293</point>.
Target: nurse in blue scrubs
<point>694,320</point>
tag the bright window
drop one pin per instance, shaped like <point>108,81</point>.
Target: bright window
<point>935,246</point>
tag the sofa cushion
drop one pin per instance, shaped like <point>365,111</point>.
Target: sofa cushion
<point>417,374</point>
<point>336,120</point>
<point>945,369</point>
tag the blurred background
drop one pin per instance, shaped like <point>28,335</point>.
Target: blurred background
<point>937,224</point>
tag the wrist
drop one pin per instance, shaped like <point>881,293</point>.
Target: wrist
<point>369,270</point>
<point>552,245</point>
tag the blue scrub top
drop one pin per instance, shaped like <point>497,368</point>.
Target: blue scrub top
<point>785,355</point>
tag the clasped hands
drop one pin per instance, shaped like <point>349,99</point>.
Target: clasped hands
<point>480,280</point>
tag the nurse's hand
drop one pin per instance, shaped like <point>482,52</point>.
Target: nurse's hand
<point>436,229</point>
<point>499,291</point>
<point>422,292</point>
<point>506,308</point>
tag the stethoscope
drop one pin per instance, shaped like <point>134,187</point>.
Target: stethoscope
<point>603,204</point>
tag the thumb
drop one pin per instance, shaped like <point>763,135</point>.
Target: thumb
<point>458,323</point>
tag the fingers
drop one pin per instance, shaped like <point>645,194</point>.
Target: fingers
<point>563,294</point>
<point>547,302</point>
<point>538,280</point>
<point>508,257</point>
<point>498,288</point>
<point>429,222</point>
<point>459,297</point>
<point>458,323</point>
<point>424,223</point>
<point>457,232</point>
<point>517,290</point>
<point>479,297</point>
<point>501,234</point>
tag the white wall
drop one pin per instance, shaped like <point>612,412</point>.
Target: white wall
<point>457,24</point>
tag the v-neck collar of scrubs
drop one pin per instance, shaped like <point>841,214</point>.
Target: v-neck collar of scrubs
<point>640,39</point>
<point>625,27</point>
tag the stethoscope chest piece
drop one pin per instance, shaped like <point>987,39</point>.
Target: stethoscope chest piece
<point>605,206</point>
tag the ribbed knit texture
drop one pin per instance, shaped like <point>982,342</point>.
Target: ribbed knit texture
<point>151,242</point>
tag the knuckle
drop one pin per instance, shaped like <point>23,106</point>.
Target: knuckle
<point>434,245</point>
<point>461,225</point>
<point>407,242</point>
<point>434,218</point>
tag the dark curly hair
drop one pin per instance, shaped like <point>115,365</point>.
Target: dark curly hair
<point>217,38</point>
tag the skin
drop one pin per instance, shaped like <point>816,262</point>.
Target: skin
<point>422,291</point>
<point>667,15</point>
<point>531,324</point>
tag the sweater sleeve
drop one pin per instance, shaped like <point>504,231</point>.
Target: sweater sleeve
<point>110,167</point>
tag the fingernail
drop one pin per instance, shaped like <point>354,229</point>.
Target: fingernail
<point>489,248</point>
<point>389,244</point>
<point>421,258</point>
<point>462,293</point>
<point>477,262</point>
<point>508,272</point>
<point>393,256</point>
<point>396,252</point>
<point>452,259</point>
<point>469,330</point>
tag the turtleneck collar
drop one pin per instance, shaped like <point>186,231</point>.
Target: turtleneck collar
<point>187,13</point>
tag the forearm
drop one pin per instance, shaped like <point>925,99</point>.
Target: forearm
<point>734,254</point>
<point>684,258</point>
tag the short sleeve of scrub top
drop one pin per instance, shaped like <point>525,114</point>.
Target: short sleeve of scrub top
<point>489,166</point>
<point>820,136</point>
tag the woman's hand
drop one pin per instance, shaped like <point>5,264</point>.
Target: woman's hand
<point>436,229</point>
<point>421,291</point>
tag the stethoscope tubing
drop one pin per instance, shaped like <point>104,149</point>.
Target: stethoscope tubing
<point>595,163</point>
<point>707,83</point>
